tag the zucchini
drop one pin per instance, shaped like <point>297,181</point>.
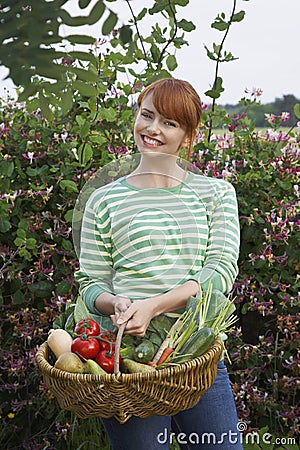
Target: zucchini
<point>144,352</point>
<point>198,343</point>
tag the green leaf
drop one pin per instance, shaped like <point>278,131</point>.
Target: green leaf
<point>212,93</point>
<point>181,2</point>
<point>21,233</point>
<point>30,91</point>
<point>158,6</point>
<point>108,114</point>
<point>9,168</point>
<point>18,241</point>
<point>186,25</point>
<point>63,288</point>
<point>80,120</point>
<point>220,25</point>
<point>238,17</point>
<point>85,153</point>
<point>84,88</point>
<point>69,216</point>
<point>158,37</point>
<point>142,14</point>
<point>94,16</point>
<point>81,310</point>
<point>155,53</point>
<point>44,105</point>
<point>96,13</point>
<point>67,245</point>
<point>84,3</point>
<point>82,56</point>
<point>18,297</point>
<point>109,23</point>
<point>89,74</point>
<point>171,62</point>
<point>42,288</point>
<point>84,129</point>
<point>217,89</point>
<point>297,110</point>
<point>4,225</point>
<point>210,54</point>
<point>66,101</point>
<point>30,243</point>
<point>25,254</point>
<point>68,185</point>
<point>125,34</point>
<point>245,308</point>
<point>80,39</point>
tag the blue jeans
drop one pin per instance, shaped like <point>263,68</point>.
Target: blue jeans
<point>210,425</point>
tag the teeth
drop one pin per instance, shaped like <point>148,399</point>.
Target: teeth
<point>151,141</point>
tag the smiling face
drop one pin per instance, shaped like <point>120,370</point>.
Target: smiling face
<point>154,132</point>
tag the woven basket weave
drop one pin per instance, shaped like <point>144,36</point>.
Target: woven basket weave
<point>162,392</point>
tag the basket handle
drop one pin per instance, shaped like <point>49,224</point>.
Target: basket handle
<point>118,347</point>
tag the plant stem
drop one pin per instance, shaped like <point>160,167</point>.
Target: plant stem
<point>217,66</point>
<point>171,38</point>
<point>138,33</point>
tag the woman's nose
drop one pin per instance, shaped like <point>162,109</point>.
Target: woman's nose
<point>153,128</point>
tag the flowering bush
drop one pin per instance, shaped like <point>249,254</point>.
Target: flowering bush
<point>41,178</point>
<point>42,170</point>
<point>263,166</point>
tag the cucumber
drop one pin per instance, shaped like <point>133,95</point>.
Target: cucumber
<point>144,352</point>
<point>198,343</point>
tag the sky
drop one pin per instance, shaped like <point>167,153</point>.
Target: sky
<point>265,43</point>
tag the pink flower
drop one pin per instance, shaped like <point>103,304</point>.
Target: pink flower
<point>285,116</point>
<point>118,150</point>
<point>255,92</point>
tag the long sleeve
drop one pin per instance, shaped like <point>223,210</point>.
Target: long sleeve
<point>144,242</point>
<point>96,271</point>
<point>222,250</point>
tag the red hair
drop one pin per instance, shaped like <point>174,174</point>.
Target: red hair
<point>177,100</point>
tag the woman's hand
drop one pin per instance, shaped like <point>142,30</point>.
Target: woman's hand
<point>121,303</point>
<point>138,316</point>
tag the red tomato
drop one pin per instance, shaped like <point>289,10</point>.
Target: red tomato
<point>107,341</point>
<point>88,348</point>
<point>87,326</point>
<point>106,361</point>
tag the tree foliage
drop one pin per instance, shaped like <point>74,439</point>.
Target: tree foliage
<point>49,73</point>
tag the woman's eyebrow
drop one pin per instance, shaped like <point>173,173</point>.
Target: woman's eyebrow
<point>148,110</point>
<point>151,112</point>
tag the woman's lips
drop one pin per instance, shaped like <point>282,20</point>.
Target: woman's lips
<point>151,141</point>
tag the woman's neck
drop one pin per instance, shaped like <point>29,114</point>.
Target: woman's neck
<point>157,173</point>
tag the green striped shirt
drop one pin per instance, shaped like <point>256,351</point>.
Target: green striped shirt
<point>141,242</point>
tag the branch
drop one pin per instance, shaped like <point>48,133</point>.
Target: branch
<point>172,37</point>
<point>218,63</point>
<point>2,269</point>
<point>138,32</point>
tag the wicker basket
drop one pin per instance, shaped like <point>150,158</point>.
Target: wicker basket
<point>162,392</point>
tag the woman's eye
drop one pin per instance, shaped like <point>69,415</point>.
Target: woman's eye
<point>170,124</point>
<point>146,115</point>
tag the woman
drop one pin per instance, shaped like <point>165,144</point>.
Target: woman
<point>148,241</point>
